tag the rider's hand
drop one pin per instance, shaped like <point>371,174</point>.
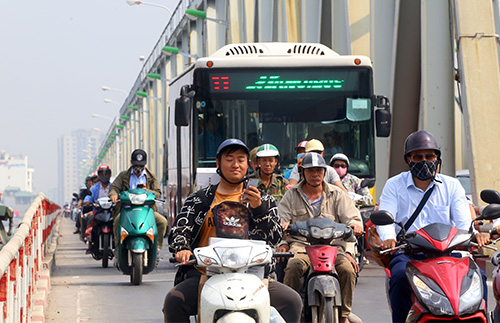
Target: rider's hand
<point>283,248</point>
<point>482,239</point>
<point>251,195</point>
<point>353,262</point>
<point>357,229</point>
<point>183,256</point>
<point>113,198</point>
<point>388,244</point>
<point>494,232</point>
<point>285,225</point>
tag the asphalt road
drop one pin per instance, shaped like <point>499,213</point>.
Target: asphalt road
<point>83,291</point>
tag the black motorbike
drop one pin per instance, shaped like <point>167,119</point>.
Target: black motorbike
<point>102,231</point>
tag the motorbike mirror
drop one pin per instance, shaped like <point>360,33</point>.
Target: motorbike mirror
<point>495,259</point>
<point>490,196</point>
<point>368,182</point>
<point>382,218</point>
<point>75,195</point>
<point>490,212</point>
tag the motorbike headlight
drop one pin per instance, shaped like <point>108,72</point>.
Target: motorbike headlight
<point>303,232</point>
<point>137,199</point>
<point>319,233</point>
<point>437,303</point>
<point>472,297</point>
<point>233,257</point>
<point>208,261</point>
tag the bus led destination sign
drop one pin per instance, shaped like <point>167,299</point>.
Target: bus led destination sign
<point>299,80</point>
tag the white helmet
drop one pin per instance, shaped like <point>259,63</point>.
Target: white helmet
<point>339,156</point>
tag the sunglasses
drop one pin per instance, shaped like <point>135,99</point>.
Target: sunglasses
<point>340,165</point>
<point>420,157</point>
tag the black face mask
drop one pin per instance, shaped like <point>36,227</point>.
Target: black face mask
<point>424,170</point>
<point>138,169</point>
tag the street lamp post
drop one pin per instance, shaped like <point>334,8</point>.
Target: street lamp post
<point>193,14</point>
<point>99,116</point>
<point>168,50</point>
<point>107,88</point>
<point>134,2</point>
<point>111,101</point>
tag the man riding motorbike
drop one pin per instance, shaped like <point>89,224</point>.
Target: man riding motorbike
<point>401,196</point>
<point>269,182</point>
<point>137,176</point>
<point>314,197</point>
<point>195,224</point>
<point>100,189</point>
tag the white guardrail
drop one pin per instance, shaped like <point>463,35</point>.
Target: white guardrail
<point>22,257</point>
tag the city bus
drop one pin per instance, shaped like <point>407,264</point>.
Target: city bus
<point>277,93</point>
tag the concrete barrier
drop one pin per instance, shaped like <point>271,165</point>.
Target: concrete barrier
<point>23,268</point>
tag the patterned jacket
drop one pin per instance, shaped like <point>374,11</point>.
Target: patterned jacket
<point>185,234</point>
<point>277,188</point>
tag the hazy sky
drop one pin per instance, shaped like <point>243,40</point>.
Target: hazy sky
<point>55,56</point>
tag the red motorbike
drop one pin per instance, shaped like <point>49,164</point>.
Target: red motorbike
<point>493,197</point>
<point>445,287</point>
<point>322,299</point>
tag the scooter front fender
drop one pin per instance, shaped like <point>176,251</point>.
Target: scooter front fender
<point>323,286</point>
<point>236,317</point>
<point>138,244</point>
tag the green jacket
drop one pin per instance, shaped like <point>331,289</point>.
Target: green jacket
<point>122,183</point>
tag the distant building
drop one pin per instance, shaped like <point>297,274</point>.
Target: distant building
<point>75,156</point>
<point>14,172</point>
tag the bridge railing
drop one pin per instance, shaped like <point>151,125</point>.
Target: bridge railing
<point>22,257</point>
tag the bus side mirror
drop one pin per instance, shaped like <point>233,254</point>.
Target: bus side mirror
<point>182,111</point>
<point>383,122</point>
<point>382,116</point>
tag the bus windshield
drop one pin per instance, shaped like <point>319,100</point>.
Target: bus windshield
<point>284,107</point>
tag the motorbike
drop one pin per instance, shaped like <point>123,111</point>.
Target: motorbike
<point>102,231</point>
<point>137,243</point>
<point>445,287</point>
<point>323,302</point>
<point>235,291</point>
<point>493,197</point>
<point>360,246</point>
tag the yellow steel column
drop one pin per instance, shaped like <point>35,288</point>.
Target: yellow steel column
<point>480,84</point>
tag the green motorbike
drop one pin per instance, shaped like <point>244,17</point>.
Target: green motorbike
<point>137,243</point>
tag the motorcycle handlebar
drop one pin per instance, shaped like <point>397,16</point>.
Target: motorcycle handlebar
<point>283,254</point>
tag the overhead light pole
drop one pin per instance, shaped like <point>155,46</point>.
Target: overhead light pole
<point>107,88</point>
<point>136,2</point>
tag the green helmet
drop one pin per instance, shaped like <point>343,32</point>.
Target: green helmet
<point>268,150</point>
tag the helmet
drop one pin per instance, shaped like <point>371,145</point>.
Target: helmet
<point>88,178</point>
<point>231,142</point>
<point>268,150</point>
<point>311,160</point>
<point>302,144</point>
<point>93,175</point>
<point>339,156</point>
<point>314,145</point>
<point>102,169</point>
<point>419,140</point>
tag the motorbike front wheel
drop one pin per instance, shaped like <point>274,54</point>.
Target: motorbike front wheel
<point>326,312</point>
<point>105,250</point>
<point>137,265</point>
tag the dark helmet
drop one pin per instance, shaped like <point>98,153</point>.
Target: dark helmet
<point>230,143</point>
<point>311,160</point>
<point>419,140</point>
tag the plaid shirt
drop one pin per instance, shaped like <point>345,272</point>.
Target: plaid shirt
<point>352,184</point>
<point>277,188</point>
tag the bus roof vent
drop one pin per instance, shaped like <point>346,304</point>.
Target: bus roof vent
<point>244,49</point>
<point>307,49</point>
